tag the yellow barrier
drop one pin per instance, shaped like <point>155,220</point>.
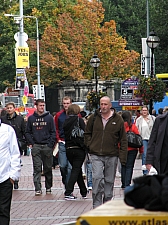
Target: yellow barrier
<point>116,212</point>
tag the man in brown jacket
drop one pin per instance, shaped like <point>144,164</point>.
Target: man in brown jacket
<point>107,141</point>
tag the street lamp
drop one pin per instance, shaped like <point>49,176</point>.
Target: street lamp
<point>95,63</point>
<point>38,49</point>
<point>152,42</point>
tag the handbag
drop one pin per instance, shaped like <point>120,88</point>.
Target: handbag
<point>77,132</point>
<point>134,140</point>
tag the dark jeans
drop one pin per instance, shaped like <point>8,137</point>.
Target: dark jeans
<point>127,170</point>
<point>42,155</point>
<point>5,201</point>
<point>76,158</point>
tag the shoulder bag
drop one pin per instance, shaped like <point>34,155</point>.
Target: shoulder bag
<point>77,132</point>
<point>134,140</point>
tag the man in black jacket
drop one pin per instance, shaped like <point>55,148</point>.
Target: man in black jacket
<point>17,122</point>
<point>41,137</point>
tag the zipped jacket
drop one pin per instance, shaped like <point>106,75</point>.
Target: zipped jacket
<point>110,140</point>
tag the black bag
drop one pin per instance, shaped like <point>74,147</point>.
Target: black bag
<point>77,135</point>
<point>134,140</point>
<point>77,131</point>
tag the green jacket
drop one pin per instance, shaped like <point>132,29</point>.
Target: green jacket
<point>108,141</point>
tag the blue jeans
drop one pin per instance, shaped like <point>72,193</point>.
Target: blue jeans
<point>145,145</point>
<point>127,170</point>
<point>89,173</point>
<point>65,166</point>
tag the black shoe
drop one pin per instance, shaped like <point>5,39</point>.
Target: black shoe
<point>16,186</point>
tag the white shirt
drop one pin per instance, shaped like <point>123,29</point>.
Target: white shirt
<point>9,154</point>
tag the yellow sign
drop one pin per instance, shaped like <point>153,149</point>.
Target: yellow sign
<point>131,107</point>
<point>24,99</point>
<point>22,57</point>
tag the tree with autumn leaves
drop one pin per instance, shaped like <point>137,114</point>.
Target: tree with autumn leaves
<point>73,34</point>
<point>70,33</point>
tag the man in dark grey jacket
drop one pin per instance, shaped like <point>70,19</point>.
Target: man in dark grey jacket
<point>107,141</point>
<point>157,152</point>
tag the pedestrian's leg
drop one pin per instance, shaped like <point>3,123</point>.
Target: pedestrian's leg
<point>123,173</point>
<point>65,167</point>
<point>97,179</point>
<point>5,201</point>
<point>129,166</point>
<point>37,165</point>
<point>145,145</point>
<point>109,177</point>
<point>89,174</point>
<point>47,159</point>
<point>76,158</point>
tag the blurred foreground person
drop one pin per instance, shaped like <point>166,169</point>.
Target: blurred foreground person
<point>75,152</point>
<point>157,152</point>
<point>107,141</point>
<point>9,169</point>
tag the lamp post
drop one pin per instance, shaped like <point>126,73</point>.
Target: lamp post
<point>38,48</point>
<point>152,42</point>
<point>95,63</point>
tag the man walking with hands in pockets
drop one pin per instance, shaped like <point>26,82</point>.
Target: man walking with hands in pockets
<point>107,141</point>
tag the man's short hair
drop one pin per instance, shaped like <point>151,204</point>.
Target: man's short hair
<point>10,103</point>
<point>67,98</point>
<point>39,101</point>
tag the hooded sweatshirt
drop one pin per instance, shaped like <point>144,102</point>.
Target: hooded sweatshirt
<point>41,129</point>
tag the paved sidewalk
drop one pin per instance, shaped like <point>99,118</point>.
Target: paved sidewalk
<point>28,209</point>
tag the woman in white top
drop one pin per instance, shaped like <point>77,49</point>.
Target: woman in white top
<point>145,123</point>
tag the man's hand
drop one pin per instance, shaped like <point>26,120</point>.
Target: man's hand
<point>12,181</point>
<point>148,167</point>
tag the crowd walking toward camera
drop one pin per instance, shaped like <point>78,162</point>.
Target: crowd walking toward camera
<point>98,141</point>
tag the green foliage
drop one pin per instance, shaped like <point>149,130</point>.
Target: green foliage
<point>151,88</point>
<point>93,99</point>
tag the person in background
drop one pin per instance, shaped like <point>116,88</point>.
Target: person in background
<point>165,109</point>
<point>145,124</point>
<point>75,153</point>
<point>3,112</point>
<point>59,119</point>
<point>9,169</point>
<point>138,114</point>
<point>41,138</point>
<point>127,169</point>
<point>107,141</point>
<point>154,112</point>
<point>17,122</point>
<point>160,111</point>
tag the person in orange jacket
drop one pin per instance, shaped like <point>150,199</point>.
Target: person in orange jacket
<point>127,169</point>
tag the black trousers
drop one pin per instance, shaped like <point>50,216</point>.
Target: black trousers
<point>76,157</point>
<point>5,201</point>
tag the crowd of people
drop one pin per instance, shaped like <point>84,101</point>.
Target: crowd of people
<point>101,148</point>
